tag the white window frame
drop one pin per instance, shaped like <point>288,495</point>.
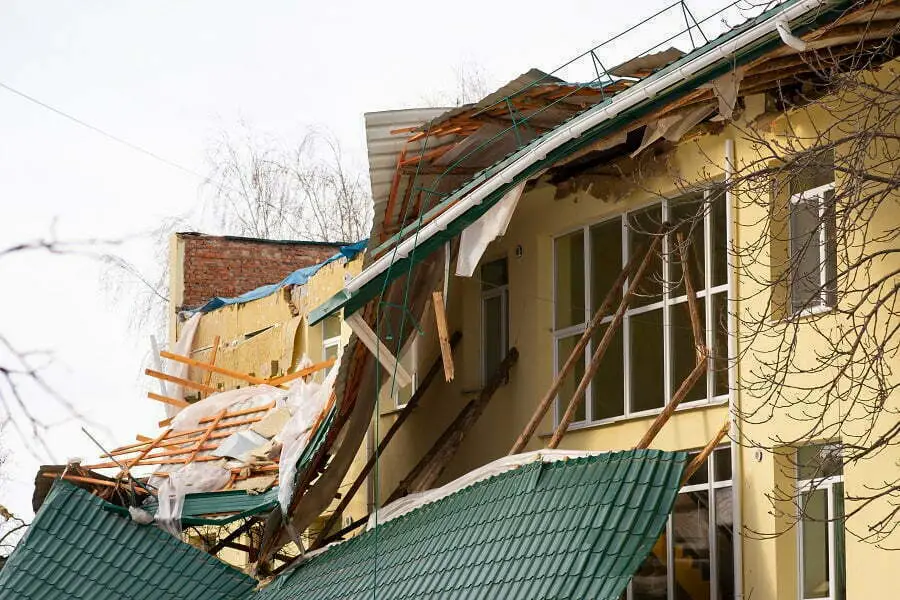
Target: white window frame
<point>711,486</point>
<point>502,292</point>
<point>806,486</point>
<point>817,193</point>
<point>667,303</point>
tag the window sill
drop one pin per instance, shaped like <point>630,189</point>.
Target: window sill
<point>686,406</point>
<point>392,411</point>
<point>805,314</point>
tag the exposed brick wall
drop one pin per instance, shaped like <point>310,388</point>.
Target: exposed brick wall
<point>229,266</point>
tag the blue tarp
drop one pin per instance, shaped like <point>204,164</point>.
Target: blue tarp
<point>298,277</point>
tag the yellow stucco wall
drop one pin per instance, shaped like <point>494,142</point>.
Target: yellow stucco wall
<point>769,565</point>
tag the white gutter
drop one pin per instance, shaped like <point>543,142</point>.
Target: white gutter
<point>574,129</point>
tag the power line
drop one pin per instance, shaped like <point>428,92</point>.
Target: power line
<point>102,132</point>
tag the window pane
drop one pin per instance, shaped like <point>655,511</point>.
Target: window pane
<point>806,254</point>
<point>647,374</point>
<point>814,525</point>
<point>840,560</point>
<point>701,475</point>
<point>569,253</point>
<point>650,581</point>
<point>690,539</point>
<point>606,261</point>
<point>722,464</point>
<point>643,225</point>
<point>493,335</point>
<point>719,238</point>
<point>494,274</point>
<point>608,385</point>
<point>684,355</point>
<point>724,543</point>
<point>564,348</point>
<point>830,249</point>
<point>688,215</point>
<point>819,460</point>
<point>331,327</point>
<point>819,172</point>
<point>720,344</point>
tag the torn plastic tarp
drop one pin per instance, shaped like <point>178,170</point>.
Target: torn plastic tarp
<point>177,368</point>
<point>192,478</point>
<point>475,238</point>
<point>307,401</point>
<point>411,502</point>
<point>298,277</point>
<point>250,396</point>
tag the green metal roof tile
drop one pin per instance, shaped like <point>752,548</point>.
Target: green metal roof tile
<point>569,529</point>
<point>79,547</point>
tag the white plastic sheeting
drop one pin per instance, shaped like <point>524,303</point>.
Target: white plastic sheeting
<point>182,347</point>
<point>411,502</point>
<point>192,478</point>
<point>253,395</point>
<point>475,238</point>
<point>306,401</point>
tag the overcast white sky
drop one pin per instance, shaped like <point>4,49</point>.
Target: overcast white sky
<point>168,76</point>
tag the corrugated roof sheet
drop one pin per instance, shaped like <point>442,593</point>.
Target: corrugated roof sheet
<point>78,548</point>
<point>570,529</point>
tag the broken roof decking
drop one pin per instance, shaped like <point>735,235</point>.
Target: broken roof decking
<point>444,220</point>
<point>79,547</point>
<point>575,528</point>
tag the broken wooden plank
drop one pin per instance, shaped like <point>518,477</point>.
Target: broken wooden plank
<point>183,382</point>
<point>371,341</point>
<point>166,400</point>
<point>214,369</point>
<point>301,372</point>
<point>404,414</point>
<point>440,316</point>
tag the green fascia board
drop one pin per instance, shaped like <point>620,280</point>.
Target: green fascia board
<point>575,528</point>
<point>79,547</point>
<point>744,55</point>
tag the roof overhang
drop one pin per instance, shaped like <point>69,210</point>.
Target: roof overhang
<point>463,207</point>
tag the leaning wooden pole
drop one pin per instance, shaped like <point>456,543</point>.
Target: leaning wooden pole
<point>698,460</point>
<point>577,352</point>
<point>432,464</point>
<point>605,342</point>
<point>401,418</point>
<point>702,355</point>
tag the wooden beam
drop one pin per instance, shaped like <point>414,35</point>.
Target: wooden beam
<point>382,445</point>
<point>166,400</point>
<point>183,382</point>
<point>302,372</point>
<point>133,461</point>
<point>548,398</point>
<point>432,464</point>
<point>698,460</point>
<point>605,342</point>
<point>214,369</point>
<point>440,317</point>
<point>81,479</point>
<point>212,359</point>
<point>684,253</point>
<point>371,341</point>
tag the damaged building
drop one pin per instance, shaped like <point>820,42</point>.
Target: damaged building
<point>529,383</point>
